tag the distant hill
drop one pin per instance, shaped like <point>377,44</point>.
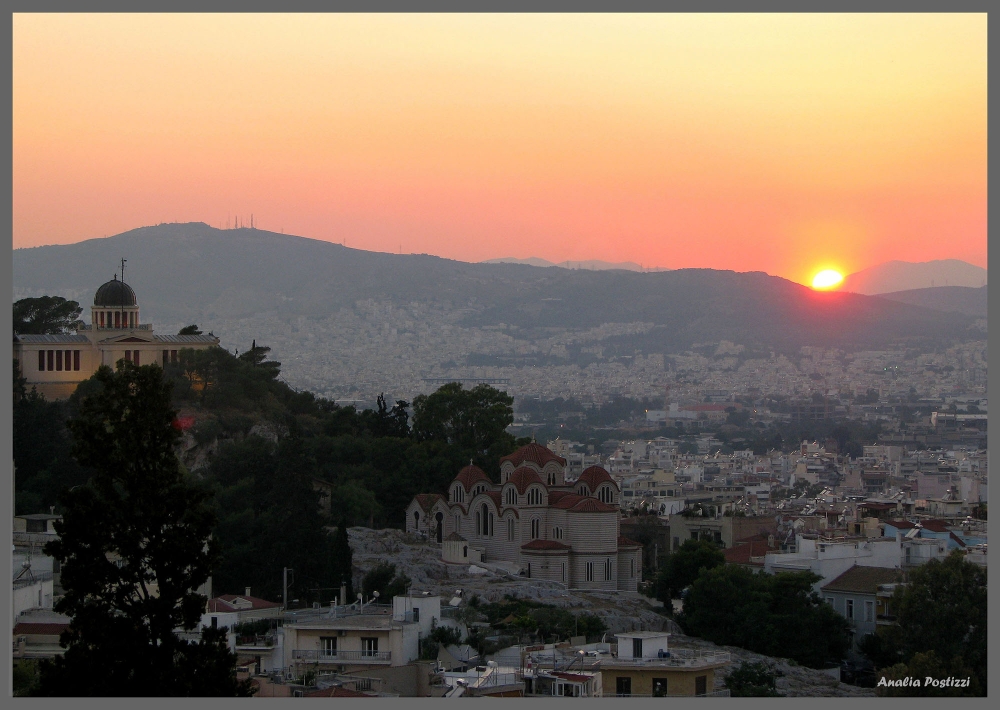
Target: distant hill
<point>194,273</point>
<point>893,276</point>
<point>956,299</point>
<point>591,265</point>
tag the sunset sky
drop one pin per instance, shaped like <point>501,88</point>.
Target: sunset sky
<point>779,143</point>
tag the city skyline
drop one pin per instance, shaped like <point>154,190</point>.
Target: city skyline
<point>779,143</point>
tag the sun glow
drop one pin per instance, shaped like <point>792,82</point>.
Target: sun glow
<point>827,279</point>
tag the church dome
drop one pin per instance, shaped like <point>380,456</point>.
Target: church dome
<point>115,294</point>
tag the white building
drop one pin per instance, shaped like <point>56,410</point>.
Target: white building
<point>56,364</point>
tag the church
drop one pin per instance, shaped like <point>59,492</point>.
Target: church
<point>536,520</point>
<point>56,364</point>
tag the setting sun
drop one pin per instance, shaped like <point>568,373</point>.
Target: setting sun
<point>827,279</point>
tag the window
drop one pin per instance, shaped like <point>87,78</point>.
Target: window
<point>563,565</point>
<point>605,495</point>
<point>510,497</point>
<point>529,570</point>
<point>590,571</point>
<point>50,360</point>
<point>582,490</point>
<point>534,496</point>
<point>58,360</point>
<point>215,622</point>
<point>659,687</point>
<point>166,357</point>
<point>135,358</point>
<point>41,361</point>
<point>535,529</point>
<point>701,685</point>
<point>607,570</point>
<point>869,611</point>
<point>328,645</point>
<point>677,542</point>
<point>552,478</point>
<point>636,648</point>
<point>623,685</point>
<point>510,529</point>
<point>173,356</point>
<point>632,569</point>
<point>831,601</point>
<point>102,319</point>
<point>369,646</point>
<point>557,533</point>
<point>416,520</point>
<point>76,360</point>
<point>416,613</point>
<point>458,523</point>
<point>128,356</point>
<point>850,609</point>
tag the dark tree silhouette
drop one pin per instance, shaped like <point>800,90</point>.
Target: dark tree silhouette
<point>134,544</point>
<point>46,315</point>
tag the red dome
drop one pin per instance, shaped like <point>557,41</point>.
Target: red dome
<point>523,477</point>
<point>533,453</point>
<point>471,475</point>
<point>595,476</point>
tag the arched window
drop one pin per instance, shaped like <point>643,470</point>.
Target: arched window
<point>552,478</point>
<point>607,570</point>
<point>510,497</point>
<point>605,494</point>
<point>459,494</point>
<point>479,523</point>
<point>632,566</point>
<point>510,529</point>
<point>458,523</point>
<point>534,496</point>
<point>486,515</point>
<point>535,529</point>
<point>582,490</point>
<point>416,520</point>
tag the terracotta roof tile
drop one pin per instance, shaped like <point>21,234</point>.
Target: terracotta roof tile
<point>522,477</point>
<point>863,580</point>
<point>592,505</point>
<point>427,500</point>
<point>625,542</point>
<point>595,476</point>
<point>470,475</point>
<point>545,545</point>
<point>535,453</point>
<point>38,628</point>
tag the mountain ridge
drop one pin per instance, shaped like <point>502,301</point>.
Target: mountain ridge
<point>194,273</point>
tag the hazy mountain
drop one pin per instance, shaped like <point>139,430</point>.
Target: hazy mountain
<point>893,276</point>
<point>957,299</point>
<point>591,264</point>
<point>194,273</point>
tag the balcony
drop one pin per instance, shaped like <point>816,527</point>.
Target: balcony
<point>312,656</point>
<point>258,642</point>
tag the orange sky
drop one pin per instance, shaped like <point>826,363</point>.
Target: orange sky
<point>780,143</point>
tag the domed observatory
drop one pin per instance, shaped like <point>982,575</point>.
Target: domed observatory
<point>115,307</point>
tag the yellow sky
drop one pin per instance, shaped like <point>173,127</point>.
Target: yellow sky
<point>770,142</point>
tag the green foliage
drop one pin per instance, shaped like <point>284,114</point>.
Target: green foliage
<point>46,315</point>
<point>382,578</point>
<point>343,561</point>
<point>25,677</point>
<point>922,666</point>
<point>941,610</point>
<point>545,622</point>
<point>752,680</point>
<point>471,421</point>
<point>776,615</point>
<point>269,518</point>
<point>189,330</point>
<point>683,566</point>
<point>134,544</point>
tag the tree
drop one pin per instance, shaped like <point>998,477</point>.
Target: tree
<point>942,610</point>
<point>682,568</point>
<point>134,546</point>
<point>189,330</point>
<point>46,315</point>
<point>777,615</point>
<point>924,666</point>
<point>473,421</point>
<point>382,578</point>
<point>752,680</point>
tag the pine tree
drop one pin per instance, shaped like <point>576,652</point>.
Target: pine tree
<point>134,545</point>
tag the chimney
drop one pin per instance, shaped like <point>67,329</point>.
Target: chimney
<point>247,592</point>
